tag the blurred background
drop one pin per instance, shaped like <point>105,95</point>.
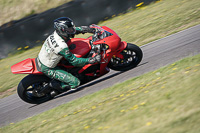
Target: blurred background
<point>25,23</point>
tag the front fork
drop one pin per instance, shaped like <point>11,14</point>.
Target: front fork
<point>106,51</point>
<point>106,56</point>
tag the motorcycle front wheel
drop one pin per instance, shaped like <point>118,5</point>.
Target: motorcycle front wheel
<point>132,56</point>
<point>28,86</point>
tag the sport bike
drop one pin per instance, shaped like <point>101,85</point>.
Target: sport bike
<point>115,54</point>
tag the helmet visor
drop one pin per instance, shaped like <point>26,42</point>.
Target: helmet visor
<point>71,30</point>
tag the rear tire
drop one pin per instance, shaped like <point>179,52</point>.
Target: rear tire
<point>26,87</point>
<point>132,57</point>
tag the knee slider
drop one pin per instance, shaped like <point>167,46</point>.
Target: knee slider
<point>75,82</point>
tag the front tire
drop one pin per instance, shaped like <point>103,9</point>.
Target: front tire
<point>27,86</point>
<point>132,55</point>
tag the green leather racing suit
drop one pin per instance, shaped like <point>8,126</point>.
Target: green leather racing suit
<point>52,51</point>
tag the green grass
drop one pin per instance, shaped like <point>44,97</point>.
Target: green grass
<point>162,101</point>
<point>17,9</point>
<point>157,20</point>
<point>9,80</point>
<point>140,26</point>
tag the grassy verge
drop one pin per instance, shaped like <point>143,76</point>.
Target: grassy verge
<point>166,100</point>
<point>17,9</point>
<point>157,20</point>
<point>9,80</point>
<point>139,26</point>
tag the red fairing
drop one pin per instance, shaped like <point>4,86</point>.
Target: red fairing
<point>114,41</point>
<point>79,46</point>
<point>27,66</point>
<point>120,49</point>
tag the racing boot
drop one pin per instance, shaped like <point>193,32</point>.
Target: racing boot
<point>60,86</point>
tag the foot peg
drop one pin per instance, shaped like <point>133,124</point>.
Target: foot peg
<point>54,93</point>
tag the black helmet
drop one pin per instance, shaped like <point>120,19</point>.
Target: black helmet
<point>65,27</point>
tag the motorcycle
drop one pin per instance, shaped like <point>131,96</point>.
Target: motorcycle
<point>115,54</point>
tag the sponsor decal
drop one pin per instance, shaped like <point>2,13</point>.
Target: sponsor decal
<point>53,41</point>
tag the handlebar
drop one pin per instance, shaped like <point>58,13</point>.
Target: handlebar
<point>99,49</point>
<point>100,33</point>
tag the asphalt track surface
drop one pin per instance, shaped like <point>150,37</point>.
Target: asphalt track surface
<point>156,54</point>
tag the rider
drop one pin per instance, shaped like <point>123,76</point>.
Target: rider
<point>55,47</point>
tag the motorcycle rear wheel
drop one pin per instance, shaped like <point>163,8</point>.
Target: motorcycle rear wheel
<point>28,84</point>
<point>132,55</point>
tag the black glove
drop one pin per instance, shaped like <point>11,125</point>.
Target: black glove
<point>86,29</point>
<point>95,59</point>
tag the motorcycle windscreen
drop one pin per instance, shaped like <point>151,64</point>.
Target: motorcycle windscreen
<point>79,46</point>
